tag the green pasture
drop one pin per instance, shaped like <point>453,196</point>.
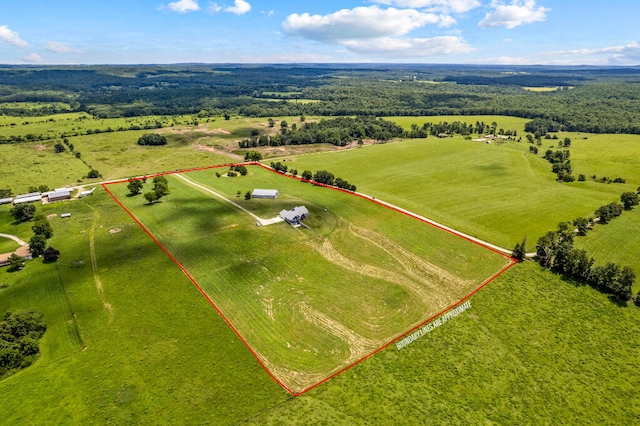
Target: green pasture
<point>7,245</point>
<point>532,349</point>
<point>159,353</point>
<point>500,193</point>
<point>616,242</point>
<point>606,155</point>
<point>503,122</point>
<point>264,278</point>
<point>36,163</point>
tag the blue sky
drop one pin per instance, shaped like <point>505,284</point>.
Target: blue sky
<point>563,32</point>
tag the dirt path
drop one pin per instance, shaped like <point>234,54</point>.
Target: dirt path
<point>94,263</point>
<point>14,238</point>
<point>263,222</point>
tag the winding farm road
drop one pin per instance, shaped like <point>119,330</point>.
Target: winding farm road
<point>14,238</point>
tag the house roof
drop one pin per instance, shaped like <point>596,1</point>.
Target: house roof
<point>6,200</point>
<point>294,213</point>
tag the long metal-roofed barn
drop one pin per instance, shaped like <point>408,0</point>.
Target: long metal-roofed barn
<point>58,195</point>
<point>295,215</point>
<point>31,197</point>
<point>265,193</point>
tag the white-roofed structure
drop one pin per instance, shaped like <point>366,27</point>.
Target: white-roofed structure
<point>87,193</point>
<point>30,199</point>
<point>5,200</point>
<point>295,215</point>
<point>29,195</point>
<point>59,194</point>
<point>265,193</point>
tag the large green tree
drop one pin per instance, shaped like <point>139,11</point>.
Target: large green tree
<point>23,212</point>
<point>37,245</point>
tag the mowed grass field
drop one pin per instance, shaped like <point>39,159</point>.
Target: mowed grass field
<point>499,193</point>
<point>311,301</point>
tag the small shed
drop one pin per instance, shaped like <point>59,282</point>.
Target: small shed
<point>5,200</point>
<point>87,193</point>
<point>295,215</point>
<point>265,193</point>
<point>65,215</point>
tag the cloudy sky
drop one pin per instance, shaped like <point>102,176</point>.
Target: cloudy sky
<point>281,31</point>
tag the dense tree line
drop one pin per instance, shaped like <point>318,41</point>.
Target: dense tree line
<point>20,333</point>
<point>336,131</point>
<point>590,100</point>
<point>555,251</point>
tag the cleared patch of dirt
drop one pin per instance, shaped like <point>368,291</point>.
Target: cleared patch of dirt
<point>205,148</point>
<point>39,147</point>
<point>52,215</point>
<point>201,128</point>
<point>114,230</point>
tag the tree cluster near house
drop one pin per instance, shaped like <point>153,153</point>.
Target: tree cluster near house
<point>42,231</point>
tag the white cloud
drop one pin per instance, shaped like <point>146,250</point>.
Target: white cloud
<point>56,47</point>
<point>240,7</point>
<point>620,55</point>
<point>214,8</point>
<point>11,37</point>
<point>32,58</point>
<point>358,23</point>
<point>410,47</point>
<point>184,6</point>
<point>447,6</point>
<point>517,13</point>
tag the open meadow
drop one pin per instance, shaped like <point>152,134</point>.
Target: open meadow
<point>312,301</point>
<point>499,193</point>
<point>130,340</point>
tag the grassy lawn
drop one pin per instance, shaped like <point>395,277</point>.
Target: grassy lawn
<point>532,349</point>
<point>158,352</point>
<point>7,245</point>
<point>497,193</point>
<point>615,242</point>
<point>36,163</point>
<point>503,122</point>
<point>313,301</point>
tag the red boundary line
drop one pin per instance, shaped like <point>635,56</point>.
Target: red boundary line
<point>211,302</point>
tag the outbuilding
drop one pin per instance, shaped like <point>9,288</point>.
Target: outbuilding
<point>265,193</point>
<point>30,199</point>
<point>6,200</point>
<point>58,195</point>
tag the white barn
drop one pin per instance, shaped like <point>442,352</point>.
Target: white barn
<point>265,193</point>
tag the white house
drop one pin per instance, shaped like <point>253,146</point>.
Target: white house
<point>295,215</point>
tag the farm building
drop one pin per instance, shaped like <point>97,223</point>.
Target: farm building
<point>58,195</point>
<point>265,193</point>
<point>5,200</point>
<point>295,215</point>
<point>21,199</point>
<point>87,193</point>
